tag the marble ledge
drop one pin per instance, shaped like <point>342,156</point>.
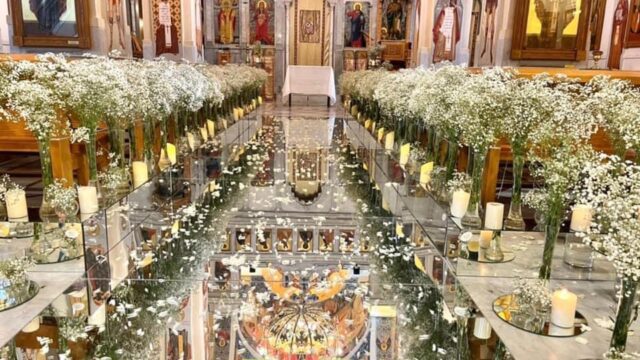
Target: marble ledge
<point>53,280</point>
<point>595,300</point>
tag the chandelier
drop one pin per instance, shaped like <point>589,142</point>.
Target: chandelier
<point>300,329</point>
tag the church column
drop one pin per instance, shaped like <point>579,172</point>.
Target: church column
<point>329,33</point>
<point>189,50</point>
<point>147,27</point>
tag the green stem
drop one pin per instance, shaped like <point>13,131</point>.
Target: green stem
<point>552,228</point>
<point>44,148</point>
<point>623,318</point>
<point>91,154</point>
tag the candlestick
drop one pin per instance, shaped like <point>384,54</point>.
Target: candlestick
<point>16,201</point>
<point>494,215</point>
<point>563,308</point>
<point>88,199</point>
<point>485,238</point>
<point>211,127</point>
<point>459,203</point>
<point>581,218</point>
<point>140,173</point>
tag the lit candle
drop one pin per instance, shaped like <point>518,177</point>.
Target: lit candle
<point>581,218</point>
<point>425,173</point>
<point>459,203</point>
<point>254,103</point>
<point>389,140</point>
<point>367,124</point>
<point>405,152</point>
<point>259,100</point>
<point>493,216</point>
<point>485,238</point>
<point>211,126</point>
<point>563,308</point>
<point>380,134</point>
<point>241,112</point>
<point>171,153</point>
<point>16,201</point>
<point>88,199</point>
<point>140,173</point>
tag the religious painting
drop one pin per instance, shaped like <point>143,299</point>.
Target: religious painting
<point>362,59</point>
<point>349,62</point>
<point>116,25</point>
<point>199,16</point>
<point>264,240</point>
<point>394,20</point>
<point>356,25</point>
<point>167,26</point>
<point>326,239</point>
<point>225,21</point>
<point>262,21</point>
<point>310,26</point>
<point>550,30</point>
<point>596,21</point>
<point>243,238</point>
<point>347,239</point>
<point>51,23</point>
<point>305,240</point>
<point>488,32</point>
<point>178,347</point>
<point>284,238</point>
<point>446,29</point>
<point>633,32</point>
<point>617,34</point>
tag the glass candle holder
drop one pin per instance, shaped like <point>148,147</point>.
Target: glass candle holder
<point>577,253</point>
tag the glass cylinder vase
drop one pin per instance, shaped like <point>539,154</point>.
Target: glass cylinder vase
<point>472,218</point>
<point>552,228</point>
<point>514,220</point>
<point>624,314</point>
<point>47,211</point>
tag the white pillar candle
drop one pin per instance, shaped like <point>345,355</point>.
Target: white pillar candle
<point>558,331</point>
<point>459,203</point>
<point>493,216</point>
<point>88,199</point>
<point>563,308</point>
<point>191,139</point>
<point>211,127</point>
<point>140,173</point>
<point>481,328</point>
<point>16,200</point>
<point>389,140</point>
<point>405,152</point>
<point>581,218</point>
<point>171,153</point>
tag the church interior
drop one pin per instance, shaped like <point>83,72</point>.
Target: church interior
<point>319,179</point>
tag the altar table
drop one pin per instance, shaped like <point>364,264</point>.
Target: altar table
<point>309,80</point>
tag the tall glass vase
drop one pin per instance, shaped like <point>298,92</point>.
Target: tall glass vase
<point>92,155</point>
<point>514,220</point>
<point>47,211</point>
<point>552,228</point>
<point>624,314</point>
<point>472,217</point>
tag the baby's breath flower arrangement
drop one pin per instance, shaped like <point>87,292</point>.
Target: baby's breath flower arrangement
<point>460,181</point>
<point>532,291</point>
<point>611,187</point>
<point>62,198</point>
<point>15,270</point>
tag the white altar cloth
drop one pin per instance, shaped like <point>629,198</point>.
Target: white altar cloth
<point>309,80</point>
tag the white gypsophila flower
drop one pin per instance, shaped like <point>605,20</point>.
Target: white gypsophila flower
<point>60,195</point>
<point>616,105</point>
<point>80,135</point>
<point>611,187</point>
<point>5,185</point>
<point>532,291</point>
